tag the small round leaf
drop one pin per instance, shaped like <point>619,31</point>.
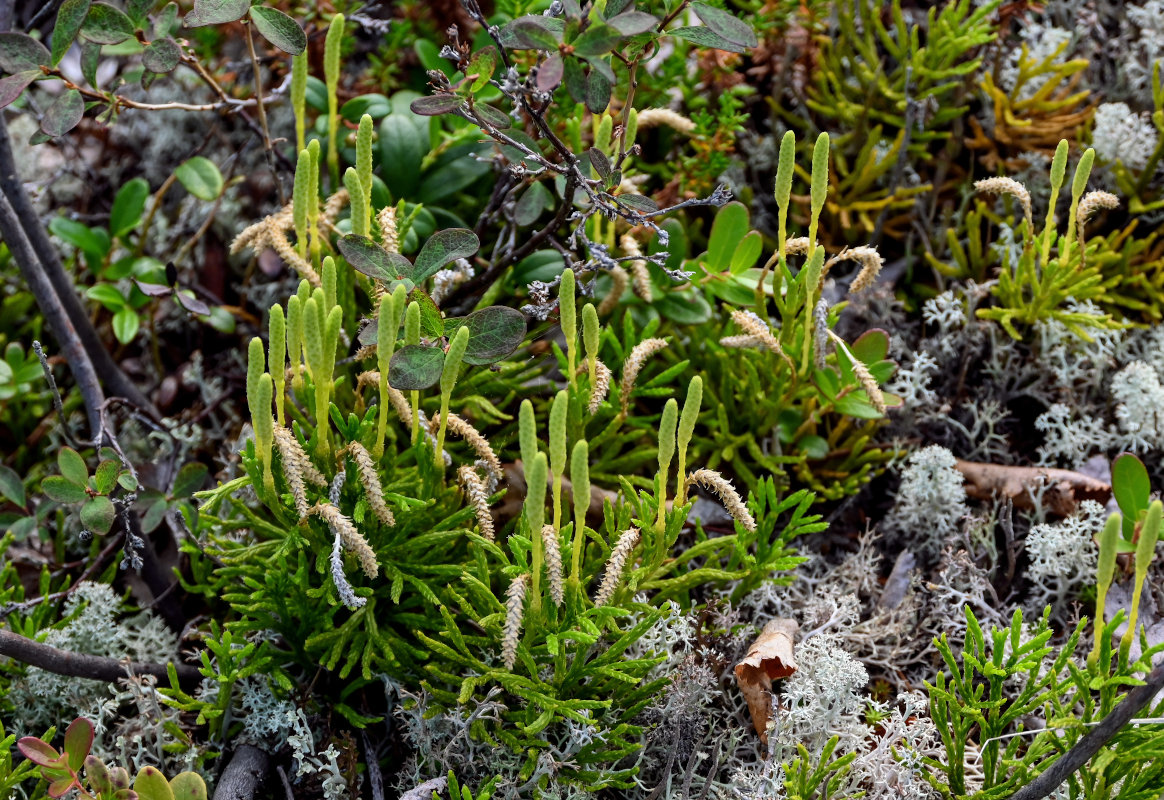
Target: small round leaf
<point>201,178</point>
<point>415,366</point>
<point>97,514</point>
<point>72,466</point>
<point>435,105</point>
<point>20,52</point>
<point>442,248</point>
<point>62,490</point>
<point>216,12</point>
<point>162,55</point>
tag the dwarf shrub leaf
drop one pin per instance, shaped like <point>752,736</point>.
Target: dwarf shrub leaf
<point>442,248</point>
<point>415,367</point>
<point>279,29</point>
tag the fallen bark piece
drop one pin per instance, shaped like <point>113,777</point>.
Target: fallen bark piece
<point>769,658</point>
<point>1061,489</point>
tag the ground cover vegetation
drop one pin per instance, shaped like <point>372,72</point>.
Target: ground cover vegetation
<point>548,399</point>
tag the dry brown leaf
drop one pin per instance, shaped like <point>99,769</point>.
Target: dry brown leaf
<point>769,658</point>
<point>1064,487</point>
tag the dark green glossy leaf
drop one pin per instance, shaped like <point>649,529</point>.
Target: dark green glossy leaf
<point>70,18</point>
<point>442,248</point>
<point>532,203</point>
<point>686,308</point>
<point>190,478</point>
<point>1130,485</point>
<point>126,324</point>
<point>64,114</point>
<point>415,367</point>
<point>216,12</point>
<point>402,147</point>
<point>12,86</point>
<point>279,29</point>
<point>375,106</point>
<point>162,56</point>
<point>371,259</point>
<point>11,486</point>
<point>871,346</point>
<point>20,52</point>
<point>128,206</point>
<point>106,24</point>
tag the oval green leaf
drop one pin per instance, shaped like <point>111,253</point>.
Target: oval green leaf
<point>415,366</point>
<point>128,206</point>
<point>370,258</point>
<point>726,25</point>
<point>442,248</point>
<point>64,114</point>
<point>435,105</point>
<point>106,24</point>
<point>188,786</point>
<point>62,490</point>
<point>70,18</point>
<point>494,333</point>
<point>215,12</point>
<point>162,56</point>
<point>200,177</point>
<point>78,742</point>
<point>20,52</point>
<point>151,784</point>
<point>1130,485</point>
<point>72,466</point>
<point>105,477</point>
<point>279,29</point>
<point>11,486</point>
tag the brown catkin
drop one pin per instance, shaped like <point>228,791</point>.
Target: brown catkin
<point>601,388</point>
<point>353,540</point>
<point>297,468</point>
<point>615,565</point>
<point>752,325</point>
<point>633,365</point>
<point>714,482</point>
<point>514,611</point>
<point>869,259</point>
<point>459,426</point>
<point>618,281</point>
<point>366,379</point>
<point>638,268</point>
<point>275,237</point>
<point>650,117</point>
<point>553,563</point>
<point>1091,203</point>
<point>334,205</point>
<point>744,341</point>
<point>370,480</point>
<point>797,246</point>
<point>1015,189</point>
<point>478,497</point>
<point>390,240</point>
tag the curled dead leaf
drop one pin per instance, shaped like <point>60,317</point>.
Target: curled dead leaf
<point>1063,487</point>
<point>769,658</point>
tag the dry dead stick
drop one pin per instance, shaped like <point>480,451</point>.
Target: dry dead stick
<point>769,658</point>
<point>80,665</point>
<point>1063,487</point>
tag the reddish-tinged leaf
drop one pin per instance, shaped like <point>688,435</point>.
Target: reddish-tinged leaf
<point>13,86</point>
<point>435,105</point>
<point>38,752</point>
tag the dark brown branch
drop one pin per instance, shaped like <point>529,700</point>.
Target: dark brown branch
<point>80,665</point>
<point>59,321</point>
<point>244,774</point>
<point>10,186</point>
<point>531,244</point>
<point>1093,742</point>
